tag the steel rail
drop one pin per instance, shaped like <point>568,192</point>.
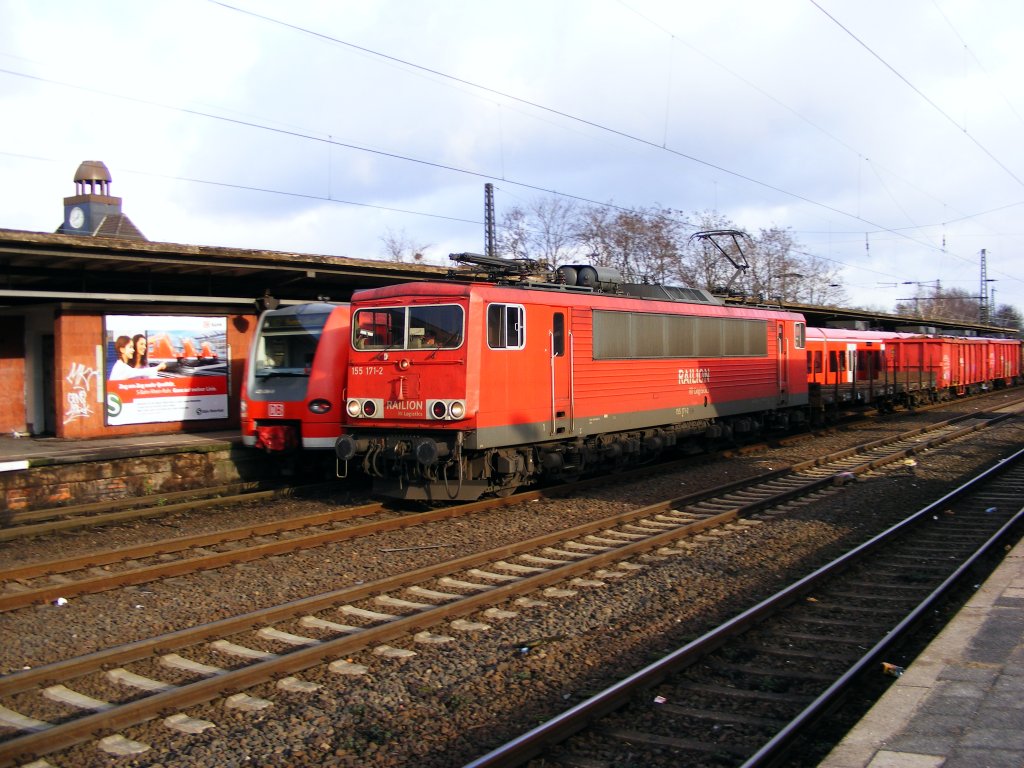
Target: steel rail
<point>556,730</point>
<point>64,735</point>
<point>82,515</point>
<point>23,598</point>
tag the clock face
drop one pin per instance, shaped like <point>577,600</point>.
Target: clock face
<point>76,218</point>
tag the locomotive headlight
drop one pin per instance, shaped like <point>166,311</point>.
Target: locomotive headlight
<point>370,408</point>
<point>319,406</point>
<point>446,410</point>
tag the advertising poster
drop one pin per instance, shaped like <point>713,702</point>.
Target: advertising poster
<point>165,368</point>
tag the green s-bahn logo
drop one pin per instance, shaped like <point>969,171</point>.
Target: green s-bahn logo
<point>114,405</point>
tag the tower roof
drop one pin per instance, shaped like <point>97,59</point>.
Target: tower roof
<point>92,170</point>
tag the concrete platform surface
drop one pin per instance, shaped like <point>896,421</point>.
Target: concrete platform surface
<point>960,704</point>
<point>33,451</point>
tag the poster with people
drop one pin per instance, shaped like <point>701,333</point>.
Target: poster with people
<point>165,368</point>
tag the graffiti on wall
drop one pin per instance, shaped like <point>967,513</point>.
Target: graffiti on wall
<point>80,380</point>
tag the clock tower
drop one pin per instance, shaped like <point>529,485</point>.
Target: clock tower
<point>92,210</point>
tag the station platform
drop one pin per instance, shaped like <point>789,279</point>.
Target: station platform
<point>45,473</point>
<point>23,452</point>
<point>960,703</point>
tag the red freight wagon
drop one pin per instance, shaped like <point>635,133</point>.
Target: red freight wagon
<point>853,367</point>
<point>455,390</point>
<point>1004,360</point>
<point>935,367</point>
<point>978,364</point>
<point>293,390</point>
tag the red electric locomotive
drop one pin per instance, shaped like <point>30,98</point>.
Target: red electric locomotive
<point>460,389</point>
<point>292,393</point>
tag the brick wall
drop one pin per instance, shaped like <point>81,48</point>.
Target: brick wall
<point>48,485</point>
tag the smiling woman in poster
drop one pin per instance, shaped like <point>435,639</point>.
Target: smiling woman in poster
<point>140,358</point>
<point>123,365</point>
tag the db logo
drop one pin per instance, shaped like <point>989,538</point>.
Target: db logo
<point>275,409</point>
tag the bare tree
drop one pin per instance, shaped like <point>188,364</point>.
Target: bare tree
<point>594,235</point>
<point>820,282</point>
<point>1010,318</point>
<point>774,265</point>
<point>513,237</point>
<point>546,230</point>
<point>641,243</point>
<point>555,237</point>
<point>942,304</point>
<point>401,248</point>
<point>653,244</point>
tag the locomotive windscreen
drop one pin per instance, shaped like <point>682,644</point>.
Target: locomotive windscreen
<point>414,327</point>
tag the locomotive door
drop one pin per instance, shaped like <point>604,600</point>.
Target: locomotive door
<point>560,351</point>
<point>783,356</point>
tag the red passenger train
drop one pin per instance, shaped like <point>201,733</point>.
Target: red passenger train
<point>461,389</point>
<point>295,378</point>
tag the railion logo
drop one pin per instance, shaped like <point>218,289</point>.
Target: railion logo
<point>694,375</point>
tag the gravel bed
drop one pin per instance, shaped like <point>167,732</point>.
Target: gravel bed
<point>452,702</point>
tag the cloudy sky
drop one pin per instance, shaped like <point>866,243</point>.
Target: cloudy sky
<point>887,136</point>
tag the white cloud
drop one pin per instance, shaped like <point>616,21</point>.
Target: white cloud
<point>790,121</point>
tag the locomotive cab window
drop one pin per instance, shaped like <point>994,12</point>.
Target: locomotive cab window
<point>506,326</point>
<point>417,327</point>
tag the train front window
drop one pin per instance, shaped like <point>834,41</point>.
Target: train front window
<point>437,326</point>
<point>417,327</point>
<point>286,344</point>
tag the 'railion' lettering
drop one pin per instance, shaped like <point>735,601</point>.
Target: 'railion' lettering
<point>694,375</point>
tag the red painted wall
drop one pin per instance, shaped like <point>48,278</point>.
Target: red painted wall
<point>80,373</point>
<point>12,374</point>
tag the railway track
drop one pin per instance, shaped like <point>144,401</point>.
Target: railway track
<point>746,692</point>
<point>70,577</point>
<point>55,520</point>
<point>45,708</point>
<point>25,524</point>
